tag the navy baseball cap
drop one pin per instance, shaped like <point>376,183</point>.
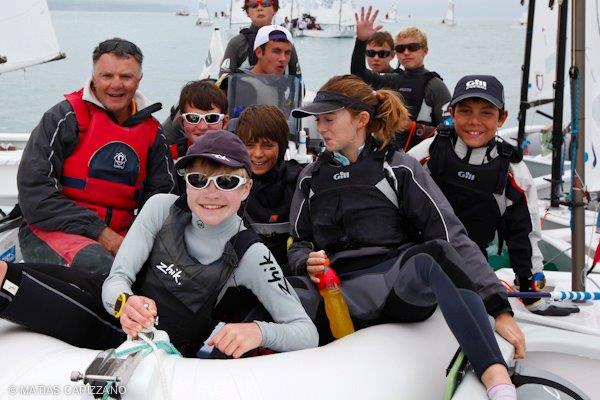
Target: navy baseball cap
<point>486,87</point>
<point>221,147</point>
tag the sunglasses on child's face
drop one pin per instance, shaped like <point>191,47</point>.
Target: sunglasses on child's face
<point>409,46</point>
<point>224,182</point>
<point>210,118</point>
<point>256,3</point>
<point>379,53</point>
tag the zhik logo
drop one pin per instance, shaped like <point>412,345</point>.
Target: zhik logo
<point>170,270</point>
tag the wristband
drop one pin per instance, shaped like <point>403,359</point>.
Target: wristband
<point>120,304</point>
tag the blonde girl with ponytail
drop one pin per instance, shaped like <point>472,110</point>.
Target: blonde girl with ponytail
<point>375,216</point>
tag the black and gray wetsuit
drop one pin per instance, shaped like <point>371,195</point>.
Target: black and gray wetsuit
<point>169,255</point>
<point>397,246</point>
<point>423,91</point>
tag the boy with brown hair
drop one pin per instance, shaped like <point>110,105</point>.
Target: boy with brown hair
<point>264,130</point>
<point>202,107</point>
<point>380,52</point>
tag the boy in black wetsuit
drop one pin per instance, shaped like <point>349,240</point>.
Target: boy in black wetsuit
<point>487,183</point>
<point>265,132</point>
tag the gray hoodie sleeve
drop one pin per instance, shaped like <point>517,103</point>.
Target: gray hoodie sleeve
<point>427,208</point>
<point>135,249</point>
<point>292,330</point>
<point>38,179</point>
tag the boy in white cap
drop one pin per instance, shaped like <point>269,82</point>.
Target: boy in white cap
<point>239,51</point>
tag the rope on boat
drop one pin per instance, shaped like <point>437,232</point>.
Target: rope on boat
<point>562,295</point>
<point>149,346</point>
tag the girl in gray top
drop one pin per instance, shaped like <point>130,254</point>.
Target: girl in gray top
<point>185,282</point>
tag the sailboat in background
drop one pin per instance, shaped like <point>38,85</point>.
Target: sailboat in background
<point>391,16</point>
<point>203,14</point>
<point>28,37</point>
<point>335,18</point>
<point>449,20</point>
<point>288,9</point>
<point>547,149</point>
<point>237,15</point>
<point>212,63</point>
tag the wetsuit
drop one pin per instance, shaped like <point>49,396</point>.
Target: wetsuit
<point>490,190</point>
<point>397,247</point>
<point>268,207</point>
<point>38,296</point>
<point>424,92</point>
<point>239,53</point>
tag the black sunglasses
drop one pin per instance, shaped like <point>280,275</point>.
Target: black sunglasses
<point>262,3</point>
<point>224,182</point>
<point>378,53</point>
<point>409,46</point>
<point>119,46</point>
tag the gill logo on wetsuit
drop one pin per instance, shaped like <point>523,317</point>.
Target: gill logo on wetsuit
<point>466,175</point>
<point>170,270</point>
<point>341,175</point>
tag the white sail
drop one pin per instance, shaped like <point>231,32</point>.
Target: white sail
<point>391,15</point>
<point>523,19</point>
<point>203,14</point>
<point>236,13</point>
<point>214,58</point>
<point>592,96</point>
<point>334,12</point>
<point>289,9</point>
<point>27,35</point>
<point>450,13</point>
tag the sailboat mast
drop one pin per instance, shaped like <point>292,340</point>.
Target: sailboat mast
<point>340,17</point>
<point>230,12</point>
<point>557,121</point>
<point>577,74</point>
<point>524,105</point>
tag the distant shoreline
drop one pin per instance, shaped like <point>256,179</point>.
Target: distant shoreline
<point>115,5</point>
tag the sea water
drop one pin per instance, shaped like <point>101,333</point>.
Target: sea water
<point>175,49</point>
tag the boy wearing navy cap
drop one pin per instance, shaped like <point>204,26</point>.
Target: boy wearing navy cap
<point>187,259</point>
<point>486,182</point>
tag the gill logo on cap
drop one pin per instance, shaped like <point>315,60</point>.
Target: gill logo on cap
<point>466,175</point>
<point>341,175</point>
<point>476,84</point>
<point>120,160</point>
<point>221,157</point>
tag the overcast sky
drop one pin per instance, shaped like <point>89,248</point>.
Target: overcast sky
<point>417,8</point>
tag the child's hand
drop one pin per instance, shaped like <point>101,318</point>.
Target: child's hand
<point>139,312</point>
<point>315,264</point>
<point>237,339</point>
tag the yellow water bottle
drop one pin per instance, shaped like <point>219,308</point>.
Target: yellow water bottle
<point>335,305</point>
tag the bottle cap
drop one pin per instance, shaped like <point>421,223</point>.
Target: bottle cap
<point>328,279</point>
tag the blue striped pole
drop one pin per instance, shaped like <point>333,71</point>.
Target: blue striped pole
<point>578,296</point>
